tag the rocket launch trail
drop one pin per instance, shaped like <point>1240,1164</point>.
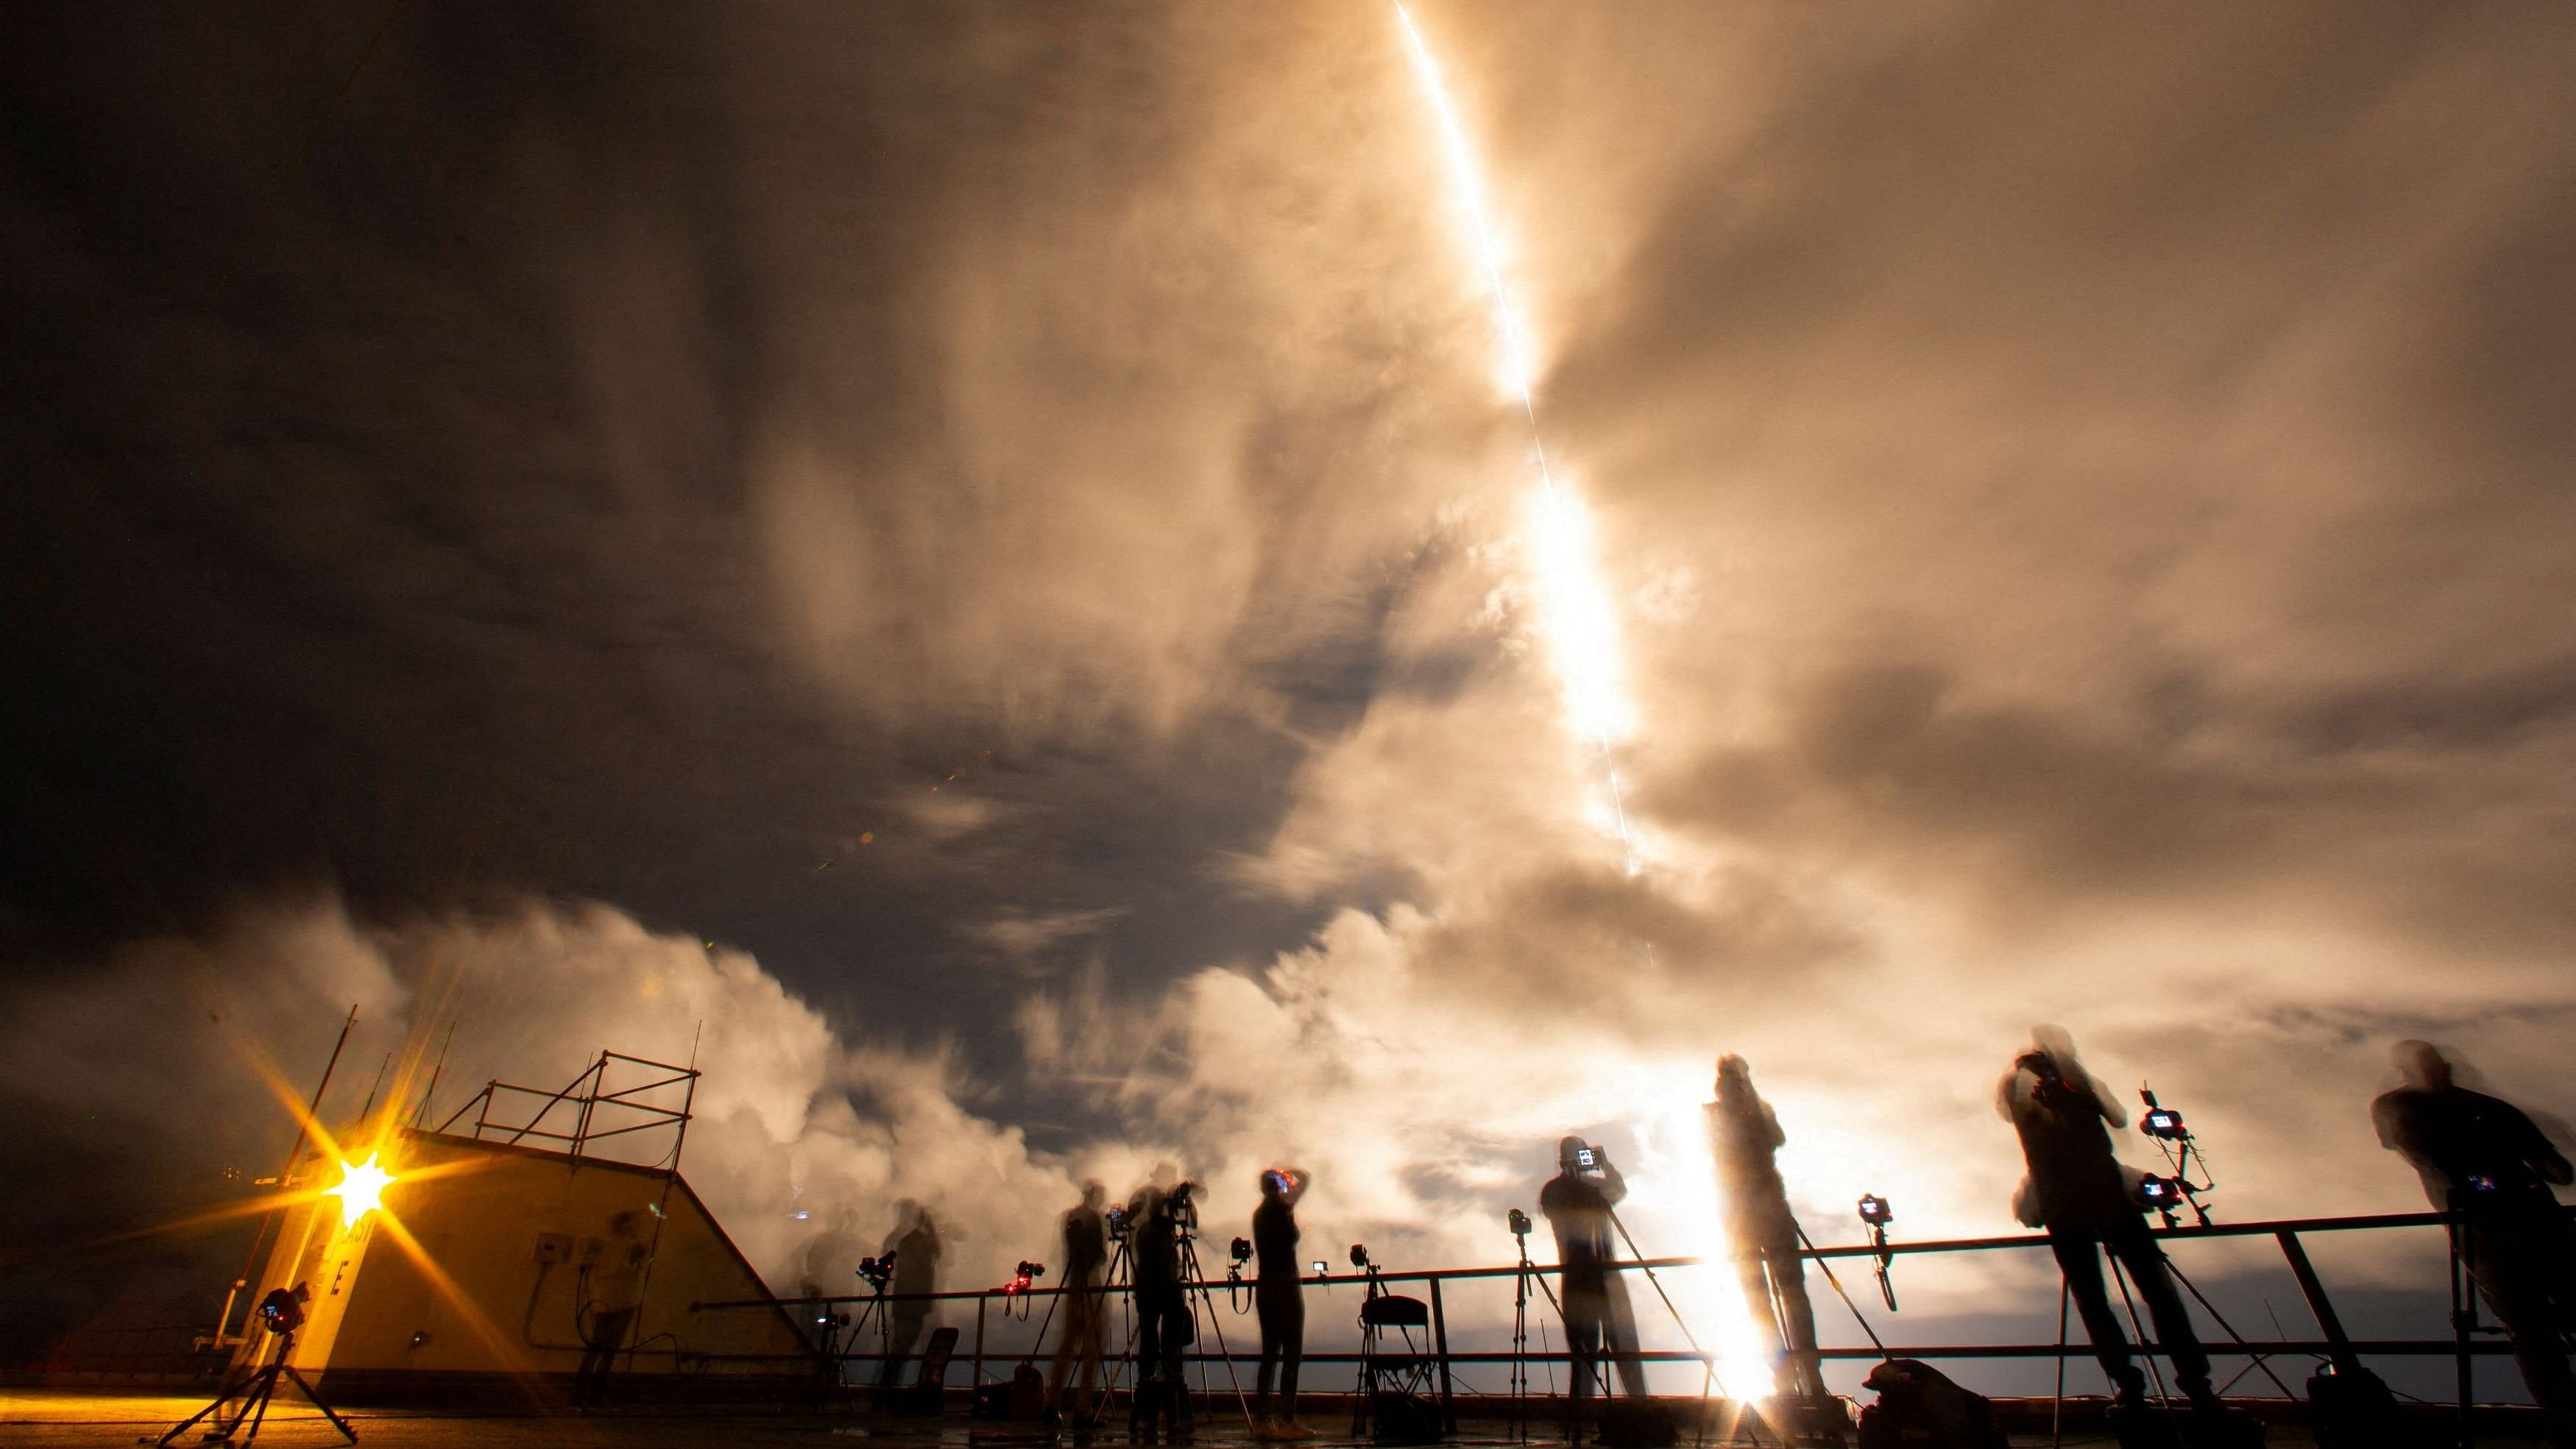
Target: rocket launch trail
<point>1575,610</point>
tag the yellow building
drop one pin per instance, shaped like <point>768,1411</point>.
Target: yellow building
<point>484,1274</point>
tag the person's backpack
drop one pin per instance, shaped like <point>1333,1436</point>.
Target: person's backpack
<point>1920,1408</point>
<point>2351,1408</point>
<point>1028,1392</point>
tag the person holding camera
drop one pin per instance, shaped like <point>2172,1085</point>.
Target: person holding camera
<point>2482,1158</point>
<point>1577,1203</point>
<point>1162,1217</point>
<point>1761,1233</point>
<point>1279,1297</point>
<point>2089,1204</point>
<point>1081,1347</point>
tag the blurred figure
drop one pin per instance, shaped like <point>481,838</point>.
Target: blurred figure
<point>2482,1158</point>
<point>1577,1203</point>
<point>611,1290</point>
<point>1080,1349</point>
<point>1162,1211</point>
<point>1761,1234</point>
<point>914,1245</point>
<point>2088,1201</point>
<point>1279,1296</point>
<point>831,1258</point>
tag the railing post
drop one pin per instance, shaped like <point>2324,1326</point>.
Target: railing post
<point>2321,1307</point>
<point>2464,1318</point>
<point>1440,1345</point>
<point>977,1384</point>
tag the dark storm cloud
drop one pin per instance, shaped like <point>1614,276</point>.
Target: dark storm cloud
<point>645,454</point>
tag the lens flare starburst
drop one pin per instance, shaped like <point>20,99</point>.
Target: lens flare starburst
<point>361,1189</point>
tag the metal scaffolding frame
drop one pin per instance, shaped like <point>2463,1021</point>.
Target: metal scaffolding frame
<point>592,1104</point>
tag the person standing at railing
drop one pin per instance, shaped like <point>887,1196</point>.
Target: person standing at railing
<point>2483,1158</point>
<point>1761,1233</point>
<point>1081,1347</point>
<point>1598,1321</point>
<point>914,1246</point>
<point>1279,1296</point>
<point>2086,1200</point>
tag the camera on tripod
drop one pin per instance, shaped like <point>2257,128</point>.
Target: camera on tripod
<point>2161,1122</point>
<point>1518,1222</point>
<point>1360,1257</point>
<point>1023,1278</point>
<point>282,1311</point>
<point>1877,1212</point>
<point>1239,1252</point>
<point>2170,1194</point>
<point>1118,1224</point>
<point>1182,1204</point>
<point>878,1271</point>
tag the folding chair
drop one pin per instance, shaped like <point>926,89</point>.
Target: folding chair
<point>1396,1371</point>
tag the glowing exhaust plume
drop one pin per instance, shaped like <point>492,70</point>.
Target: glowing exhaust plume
<point>361,1190</point>
<point>1576,612</point>
<point>1581,623</point>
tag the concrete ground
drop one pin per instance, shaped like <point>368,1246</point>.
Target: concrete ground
<point>70,1419</point>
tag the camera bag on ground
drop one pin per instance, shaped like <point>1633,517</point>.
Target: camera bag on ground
<point>1401,1418</point>
<point>2351,1408</point>
<point>1920,1408</point>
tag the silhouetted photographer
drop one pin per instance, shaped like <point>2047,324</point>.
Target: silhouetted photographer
<point>2482,1158</point>
<point>914,1249</point>
<point>1081,1347</point>
<point>1598,1321</point>
<point>2087,1201</point>
<point>611,1289</point>
<point>1161,1215</point>
<point>1761,1233</point>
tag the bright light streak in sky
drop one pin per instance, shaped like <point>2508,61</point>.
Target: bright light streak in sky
<point>1576,611</point>
<point>1580,620</point>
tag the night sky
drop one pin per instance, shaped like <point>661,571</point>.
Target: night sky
<point>978,556</point>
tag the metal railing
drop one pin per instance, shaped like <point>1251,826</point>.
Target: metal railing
<point>2287,1233</point>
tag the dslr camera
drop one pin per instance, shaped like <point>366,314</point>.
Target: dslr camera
<point>878,1271</point>
<point>282,1311</point>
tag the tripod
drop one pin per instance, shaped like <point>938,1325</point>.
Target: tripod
<point>842,1332</point>
<point>1522,1277</point>
<point>1748,1417</point>
<point>255,1391</point>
